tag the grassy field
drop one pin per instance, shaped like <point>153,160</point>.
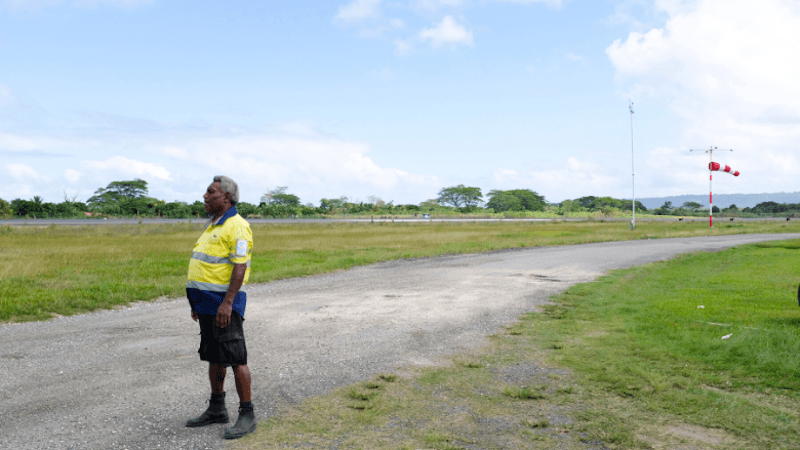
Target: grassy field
<point>66,270</point>
<point>634,360</point>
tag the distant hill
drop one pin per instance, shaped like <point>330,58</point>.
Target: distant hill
<point>723,200</point>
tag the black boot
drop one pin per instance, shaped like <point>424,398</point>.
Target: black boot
<point>215,413</point>
<point>245,425</point>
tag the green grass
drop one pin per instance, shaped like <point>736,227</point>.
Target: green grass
<point>646,370</point>
<point>66,270</point>
<point>639,335</point>
<point>523,393</point>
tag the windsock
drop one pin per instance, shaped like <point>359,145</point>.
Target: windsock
<point>717,166</point>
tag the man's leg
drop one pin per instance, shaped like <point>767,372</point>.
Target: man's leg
<point>242,376</point>
<point>216,411</point>
<point>247,419</point>
<point>216,375</point>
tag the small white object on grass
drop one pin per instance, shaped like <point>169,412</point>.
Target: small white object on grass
<point>701,307</point>
<point>727,336</point>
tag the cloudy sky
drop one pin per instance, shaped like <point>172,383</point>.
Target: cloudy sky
<point>398,98</point>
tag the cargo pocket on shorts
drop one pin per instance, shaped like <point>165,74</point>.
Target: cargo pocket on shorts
<point>231,345</point>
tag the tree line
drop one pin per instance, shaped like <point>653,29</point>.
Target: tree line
<point>130,199</point>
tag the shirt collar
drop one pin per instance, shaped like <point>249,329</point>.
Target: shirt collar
<point>228,214</point>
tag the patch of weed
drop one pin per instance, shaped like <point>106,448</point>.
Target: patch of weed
<point>523,393</point>
<point>541,423</point>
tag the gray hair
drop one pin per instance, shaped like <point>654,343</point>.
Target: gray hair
<point>229,186</point>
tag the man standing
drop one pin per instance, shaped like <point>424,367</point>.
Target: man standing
<point>218,271</point>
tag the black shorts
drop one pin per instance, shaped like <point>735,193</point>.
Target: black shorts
<point>222,345</point>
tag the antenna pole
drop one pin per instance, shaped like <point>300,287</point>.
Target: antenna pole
<point>633,184</point>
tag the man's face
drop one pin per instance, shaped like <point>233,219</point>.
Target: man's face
<point>216,201</point>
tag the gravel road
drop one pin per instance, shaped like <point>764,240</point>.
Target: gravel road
<point>130,378</point>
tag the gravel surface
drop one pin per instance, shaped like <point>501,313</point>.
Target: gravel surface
<point>130,378</point>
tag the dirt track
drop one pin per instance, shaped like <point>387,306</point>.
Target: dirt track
<point>129,378</point>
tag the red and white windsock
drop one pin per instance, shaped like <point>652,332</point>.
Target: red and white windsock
<point>719,167</point>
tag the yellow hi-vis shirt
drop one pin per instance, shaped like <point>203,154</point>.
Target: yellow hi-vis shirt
<point>222,244</point>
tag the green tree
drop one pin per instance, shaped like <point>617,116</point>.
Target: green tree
<point>5,208</point>
<point>664,209</point>
<point>332,205</point>
<point>626,205</point>
<point>19,206</point>
<point>691,205</point>
<point>570,205</point>
<point>503,201</point>
<point>528,200</point>
<point>285,199</point>
<point>460,196</point>
<point>198,209</point>
<point>531,200</point>
<point>124,198</point>
<point>279,196</point>
<point>175,210</point>
<point>378,203</point>
<point>770,207</point>
<point>586,202</point>
<point>278,210</point>
<point>246,209</point>
<point>30,208</point>
<point>119,191</point>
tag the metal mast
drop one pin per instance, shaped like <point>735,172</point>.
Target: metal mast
<point>633,184</point>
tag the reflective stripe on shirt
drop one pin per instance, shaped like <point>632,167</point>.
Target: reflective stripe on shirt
<point>214,259</point>
<point>213,287</point>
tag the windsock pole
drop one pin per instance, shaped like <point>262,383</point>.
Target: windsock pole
<point>710,152</point>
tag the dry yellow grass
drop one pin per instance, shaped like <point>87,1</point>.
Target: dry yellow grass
<point>68,270</point>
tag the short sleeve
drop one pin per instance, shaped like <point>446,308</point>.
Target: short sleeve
<point>240,244</point>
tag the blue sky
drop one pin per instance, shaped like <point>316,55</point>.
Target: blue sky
<point>397,99</point>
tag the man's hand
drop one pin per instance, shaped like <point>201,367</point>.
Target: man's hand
<point>224,310</point>
<point>194,316</point>
<point>224,314</point>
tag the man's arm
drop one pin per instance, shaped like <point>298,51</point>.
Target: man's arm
<point>225,308</point>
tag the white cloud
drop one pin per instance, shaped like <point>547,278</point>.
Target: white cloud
<point>403,47</point>
<point>729,69</point>
<point>24,173</point>
<point>311,164</point>
<point>125,4</point>
<point>386,74</point>
<point>526,2</point>
<point>15,142</point>
<point>120,166</point>
<point>178,163</point>
<point>435,5</point>
<point>72,175</point>
<point>573,57</point>
<point>6,97</point>
<point>33,5</point>
<point>358,10</point>
<point>675,7</point>
<point>25,5</point>
<point>448,32</point>
<point>20,145</point>
<point>175,152</point>
<point>573,178</point>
